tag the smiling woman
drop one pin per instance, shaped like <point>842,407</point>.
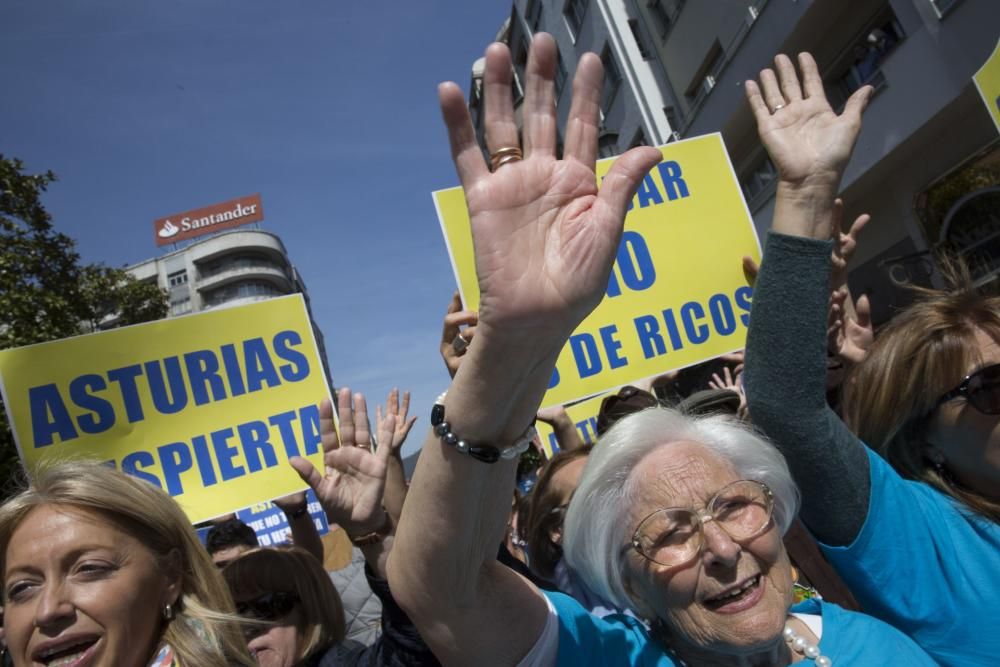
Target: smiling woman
<point>102,569</point>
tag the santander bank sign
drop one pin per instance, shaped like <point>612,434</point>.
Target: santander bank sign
<point>215,218</point>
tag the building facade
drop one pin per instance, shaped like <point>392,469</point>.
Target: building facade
<point>231,268</point>
<point>635,105</point>
<point>926,166</point>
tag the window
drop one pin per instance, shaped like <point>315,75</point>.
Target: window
<point>180,307</point>
<point>534,14</point>
<point>612,79</point>
<point>704,78</point>
<point>574,11</point>
<point>634,27</point>
<point>665,13</point>
<point>607,144</point>
<point>177,278</point>
<point>861,63</point>
<point>240,291</point>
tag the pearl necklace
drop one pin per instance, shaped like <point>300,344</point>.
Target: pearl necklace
<point>799,644</point>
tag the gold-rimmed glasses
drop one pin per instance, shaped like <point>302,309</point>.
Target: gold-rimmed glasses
<point>675,535</point>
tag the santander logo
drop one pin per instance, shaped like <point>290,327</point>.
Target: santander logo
<point>190,224</point>
<point>169,229</point>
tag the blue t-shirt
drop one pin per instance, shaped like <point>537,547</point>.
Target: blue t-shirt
<point>848,638</point>
<point>927,566</point>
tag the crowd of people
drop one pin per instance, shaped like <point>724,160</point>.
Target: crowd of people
<point>827,496</point>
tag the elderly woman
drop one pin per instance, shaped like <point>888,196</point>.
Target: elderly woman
<point>103,569</point>
<point>689,537</point>
<point>917,541</point>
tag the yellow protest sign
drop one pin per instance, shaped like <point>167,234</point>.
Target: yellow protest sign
<point>987,81</point>
<point>208,407</point>
<point>677,295</point>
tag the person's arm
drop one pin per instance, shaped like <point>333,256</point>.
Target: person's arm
<point>786,345</point>
<point>304,533</point>
<point>544,239</point>
<point>395,483</point>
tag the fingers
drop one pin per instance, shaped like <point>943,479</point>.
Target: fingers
<point>454,320</point>
<point>501,127</point>
<point>858,226</point>
<point>583,122</point>
<point>385,433</point>
<point>539,110</point>
<point>465,152</point>
<point>619,186</point>
<point>327,427</point>
<point>362,435</point>
<point>405,409</point>
<point>771,90</point>
<point>392,403</point>
<point>346,416</point>
<point>788,78</point>
<point>758,106</point>
<point>812,83</point>
<point>837,226</point>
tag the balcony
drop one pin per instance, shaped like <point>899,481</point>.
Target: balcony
<point>241,269</point>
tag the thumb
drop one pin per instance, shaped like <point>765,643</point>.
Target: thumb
<point>863,309</point>
<point>857,102</point>
<point>622,180</point>
<point>307,471</point>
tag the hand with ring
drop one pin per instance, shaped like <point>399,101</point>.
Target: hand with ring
<point>454,339</point>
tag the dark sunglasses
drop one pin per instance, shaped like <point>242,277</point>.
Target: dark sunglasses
<point>981,389</point>
<point>268,607</point>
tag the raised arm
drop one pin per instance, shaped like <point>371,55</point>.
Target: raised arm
<point>544,241</point>
<point>785,371</point>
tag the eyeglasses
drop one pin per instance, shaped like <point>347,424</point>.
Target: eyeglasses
<point>675,535</point>
<point>981,389</point>
<point>268,607</point>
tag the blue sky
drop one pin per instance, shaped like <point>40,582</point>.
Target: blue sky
<point>328,109</point>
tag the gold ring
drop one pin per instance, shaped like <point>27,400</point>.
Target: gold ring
<point>502,156</point>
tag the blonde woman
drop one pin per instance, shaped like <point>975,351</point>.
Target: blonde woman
<point>102,569</point>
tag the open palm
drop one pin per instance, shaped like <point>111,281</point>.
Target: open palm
<point>353,484</point>
<point>806,140</point>
<point>544,236</point>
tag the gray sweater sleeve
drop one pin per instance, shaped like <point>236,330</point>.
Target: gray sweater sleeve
<point>785,379</point>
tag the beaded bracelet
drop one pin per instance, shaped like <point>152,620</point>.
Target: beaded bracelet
<point>484,453</point>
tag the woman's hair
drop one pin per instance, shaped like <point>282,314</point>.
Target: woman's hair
<point>919,356</point>
<point>545,516</point>
<point>205,630</point>
<point>597,531</point>
<point>292,570</point>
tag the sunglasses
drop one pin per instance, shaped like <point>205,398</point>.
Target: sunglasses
<point>981,389</point>
<point>268,607</point>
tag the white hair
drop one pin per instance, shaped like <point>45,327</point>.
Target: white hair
<point>596,530</point>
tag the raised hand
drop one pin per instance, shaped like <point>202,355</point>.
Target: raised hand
<point>855,334</point>
<point>352,485</point>
<point>807,141</point>
<point>544,237</point>
<point>402,424</point>
<point>844,243</point>
<point>452,347</point>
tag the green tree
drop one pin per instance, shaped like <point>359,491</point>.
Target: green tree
<point>45,292</point>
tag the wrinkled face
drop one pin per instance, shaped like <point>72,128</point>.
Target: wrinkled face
<point>277,645</point>
<point>968,440</point>
<point>731,598</point>
<point>81,592</point>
